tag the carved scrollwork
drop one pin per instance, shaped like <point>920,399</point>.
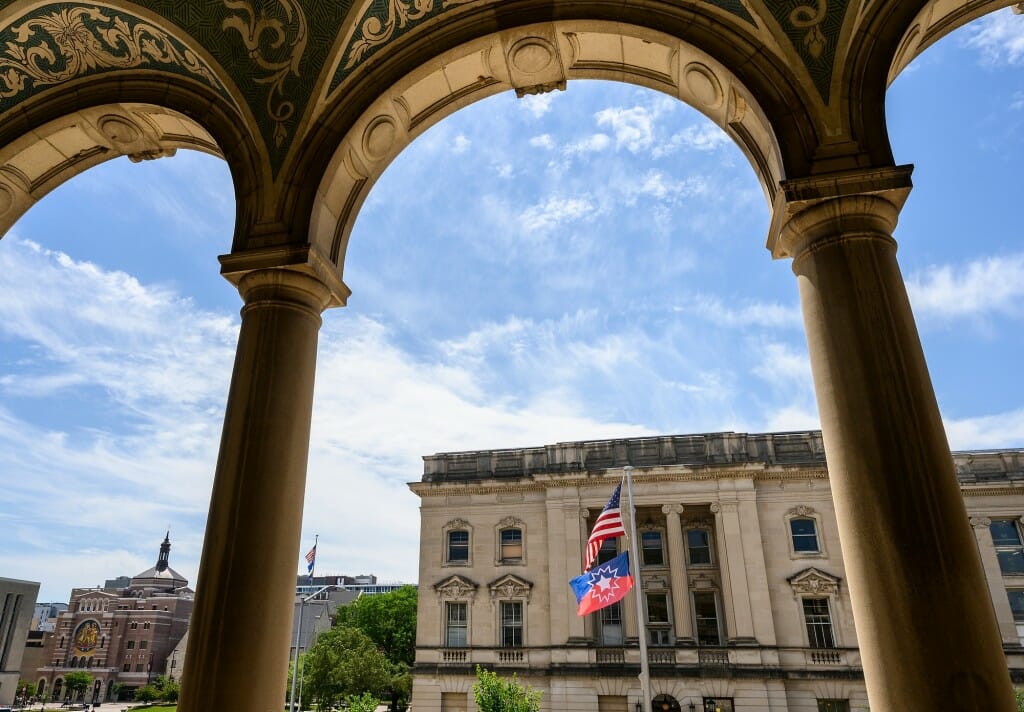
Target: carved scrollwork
<point>401,13</point>
<point>457,523</point>
<point>981,522</point>
<point>813,581</point>
<point>58,46</point>
<point>801,510</point>
<point>810,18</point>
<point>455,587</point>
<point>286,42</point>
<point>509,522</point>
<point>510,586</point>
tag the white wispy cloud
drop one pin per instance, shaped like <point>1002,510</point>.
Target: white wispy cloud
<point>698,137</point>
<point>986,431</point>
<point>999,38</point>
<point>544,141</point>
<point>461,144</point>
<point>555,211</point>
<point>632,127</point>
<point>589,144</point>
<point>984,286</point>
<point>538,104</point>
<point>763,314</point>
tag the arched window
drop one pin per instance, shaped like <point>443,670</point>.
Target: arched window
<point>804,531</point>
<point>511,545</point>
<point>457,538</point>
<point>458,546</point>
<point>41,687</point>
<point>145,626</point>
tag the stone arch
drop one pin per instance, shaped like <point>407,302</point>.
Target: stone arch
<point>131,84</point>
<point>530,59</point>
<point>936,20</point>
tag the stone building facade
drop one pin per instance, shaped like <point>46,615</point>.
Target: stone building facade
<point>747,602</point>
<point>118,635</point>
<point>17,603</point>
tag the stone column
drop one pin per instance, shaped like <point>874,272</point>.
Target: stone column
<point>239,635</point>
<point>727,609</point>
<point>677,571</point>
<point>743,618</point>
<point>927,633</point>
<point>575,525</point>
<point>994,576</point>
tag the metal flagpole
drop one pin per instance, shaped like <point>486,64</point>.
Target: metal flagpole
<point>645,670</point>
<point>295,665</point>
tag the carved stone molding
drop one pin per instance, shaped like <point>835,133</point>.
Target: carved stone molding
<point>509,522</point>
<point>458,523</point>
<point>456,587</point>
<point>510,586</point>
<point>672,509</point>
<point>980,522</point>
<point>814,581</point>
<point>715,508</point>
<point>801,510</point>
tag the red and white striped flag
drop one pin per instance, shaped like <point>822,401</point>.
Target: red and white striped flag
<point>607,526</point>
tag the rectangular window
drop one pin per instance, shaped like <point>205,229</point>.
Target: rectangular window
<point>608,551</point>
<point>1006,537</point>
<point>611,624</point>
<point>131,644</point>
<point>657,608</point>
<point>143,644</point>
<point>819,623</point>
<point>805,536</point>
<point>511,544</point>
<point>458,545</point>
<point>652,551</point>
<point>698,546</point>
<point>138,667</point>
<point>455,625</point>
<point>705,613</point>
<point>718,704</point>
<point>1016,596</point>
<point>511,624</point>
<point>833,706</point>
<point>127,667</point>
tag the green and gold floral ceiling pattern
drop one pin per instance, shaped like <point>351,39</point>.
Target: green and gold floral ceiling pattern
<point>276,51</point>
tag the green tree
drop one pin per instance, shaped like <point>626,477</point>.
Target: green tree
<point>147,693</point>
<point>344,661</point>
<point>492,694</point>
<point>362,703</point>
<point>26,689</point>
<point>77,682</point>
<point>170,691</point>
<point>388,618</point>
<point>1019,696</point>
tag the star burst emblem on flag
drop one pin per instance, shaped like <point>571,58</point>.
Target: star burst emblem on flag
<point>603,585</point>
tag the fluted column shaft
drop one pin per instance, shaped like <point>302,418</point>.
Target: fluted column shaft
<point>239,636</point>
<point>927,634</point>
<point>994,576</point>
<point>677,572</point>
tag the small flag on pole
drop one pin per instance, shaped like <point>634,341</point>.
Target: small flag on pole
<point>607,526</point>
<point>603,586</point>
<point>311,560</point>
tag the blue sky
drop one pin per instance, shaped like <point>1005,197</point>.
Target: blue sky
<point>583,264</point>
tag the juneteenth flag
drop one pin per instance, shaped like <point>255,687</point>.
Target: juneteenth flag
<point>311,560</point>
<point>603,585</point>
<point>607,526</point>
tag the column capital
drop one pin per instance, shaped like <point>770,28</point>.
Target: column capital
<point>284,287</point>
<point>980,522</point>
<point>715,508</point>
<point>303,260</point>
<point>672,509</point>
<point>810,209</point>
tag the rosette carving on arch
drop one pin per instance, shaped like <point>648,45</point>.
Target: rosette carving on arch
<point>276,43</point>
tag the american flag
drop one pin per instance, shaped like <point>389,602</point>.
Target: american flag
<point>310,558</point>
<point>607,526</point>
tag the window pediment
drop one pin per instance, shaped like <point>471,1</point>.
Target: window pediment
<point>814,581</point>
<point>510,586</point>
<point>456,587</point>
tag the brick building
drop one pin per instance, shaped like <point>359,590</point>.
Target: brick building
<point>118,634</point>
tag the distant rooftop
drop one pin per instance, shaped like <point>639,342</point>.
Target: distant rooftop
<point>795,449</point>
